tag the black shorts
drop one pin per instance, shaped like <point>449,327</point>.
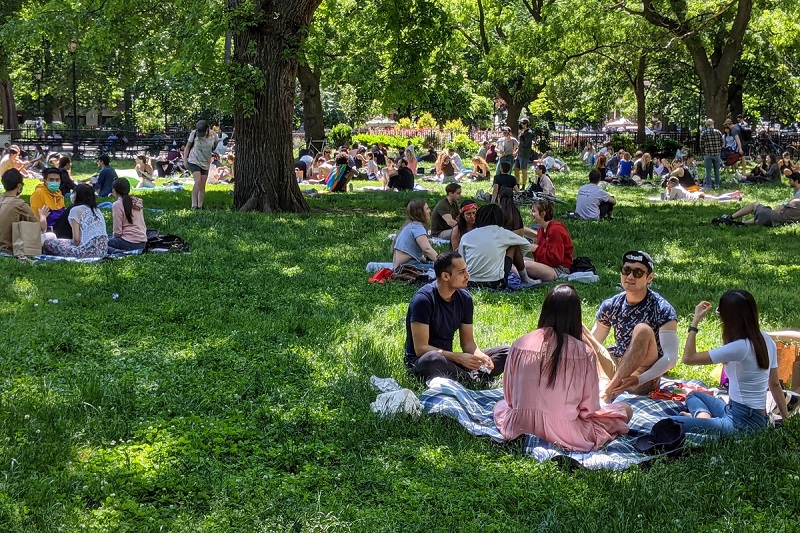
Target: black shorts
<point>194,168</point>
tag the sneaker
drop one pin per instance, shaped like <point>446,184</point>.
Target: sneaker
<point>479,194</point>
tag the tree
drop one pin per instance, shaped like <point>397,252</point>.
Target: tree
<point>713,34</point>
<point>267,40</point>
<point>8,107</point>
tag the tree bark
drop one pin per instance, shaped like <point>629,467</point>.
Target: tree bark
<point>639,90</point>
<point>266,45</point>
<point>311,96</point>
<point>514,108</point>
<point>8,107</point>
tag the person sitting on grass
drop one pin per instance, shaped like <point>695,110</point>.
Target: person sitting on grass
<point>11,160</point>
<point>445,168</point>
<point>64,164</point>
<point>543,183</point>
<point>144,173</point>
<point>341,174</point>
<point>106,176</point>
<point>411,245</point>
<point>14,209</point>
<point>681,171</point>
<point>130,231</point>
<point>645,329</point>
<point>480,169</point>
<point>512,218</point>
<point>403,177</point>
<point>89,237</point>
<point>785,165</point>
<point>445,214</point>
<point>550,384</point>
<point>643,168</point>
<point>593,202</point>
<point>503,180</point>
<point>766,170</point>
<point>786,213</point>
<point>466,223</point>
<point>435,313</point>
<point>552,253</point>
<point>676,192</point>
<point>491,250</point>
<point>750,360</point>
<point>625,170</point>
<point>49,194</point>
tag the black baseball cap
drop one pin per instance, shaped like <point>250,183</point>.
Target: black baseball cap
<point>637,256</point>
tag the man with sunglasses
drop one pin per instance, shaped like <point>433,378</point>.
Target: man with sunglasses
<point>645,328</point>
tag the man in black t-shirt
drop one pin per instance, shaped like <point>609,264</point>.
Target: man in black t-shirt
<point>503,179</point>
<point>404,180</point>
<point>435,313</point>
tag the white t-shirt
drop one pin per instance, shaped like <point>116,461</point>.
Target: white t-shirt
<point>587,204</point>
<point>748,383</point>
<point>91,226</point>
<point>484,250</point>
<point>546,184</point>
<point>680,193</point>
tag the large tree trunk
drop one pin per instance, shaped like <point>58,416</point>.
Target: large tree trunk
<point>312,103</point>
<point>265,45</point>
<point>639,91</point>
<point>514,108</point>
<point>8,107</point>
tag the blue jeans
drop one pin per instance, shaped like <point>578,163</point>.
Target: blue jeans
<point>710,161</point>
<point>727,418</point>
<point>118,244</point>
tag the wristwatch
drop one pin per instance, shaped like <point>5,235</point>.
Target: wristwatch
<point>692,328</point>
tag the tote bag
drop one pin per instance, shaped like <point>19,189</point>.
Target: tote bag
<point>26,238</point>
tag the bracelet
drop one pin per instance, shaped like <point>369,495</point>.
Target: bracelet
<point>692,328</point>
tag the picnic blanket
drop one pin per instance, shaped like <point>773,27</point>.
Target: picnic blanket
<point>474,409</point>
<point>44,257</point>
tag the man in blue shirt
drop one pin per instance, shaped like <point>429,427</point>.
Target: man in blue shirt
<point>435,313</point>
<point>106,177</point>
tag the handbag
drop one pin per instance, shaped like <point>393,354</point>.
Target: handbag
<point>26,238</point>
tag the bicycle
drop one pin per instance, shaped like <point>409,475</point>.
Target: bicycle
<point>764,145</point>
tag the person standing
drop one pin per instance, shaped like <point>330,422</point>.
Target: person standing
<point>711,143</point>
<point>524,152</point>
<point>506,149</point>
<point>197,156</point>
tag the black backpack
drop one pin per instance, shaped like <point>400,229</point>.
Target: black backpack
<point>165,243</point>
<point>746,132</point>
<point>582,264</point>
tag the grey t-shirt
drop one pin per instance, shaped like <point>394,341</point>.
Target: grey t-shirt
<point>587,204</point>
<point>407,240</point>
<point>200,154</point>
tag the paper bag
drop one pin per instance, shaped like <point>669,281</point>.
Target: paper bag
<point>789,365</point>
<point>26,238</point>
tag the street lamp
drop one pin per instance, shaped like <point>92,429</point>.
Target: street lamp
<point>73,47</point>
<point>38,76</point>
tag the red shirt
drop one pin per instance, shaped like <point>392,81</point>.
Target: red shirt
<point>554,245</point>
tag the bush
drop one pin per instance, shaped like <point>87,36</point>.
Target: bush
<point>393,142</point>
<point>405,123</point>
<point>431,140</point>
<point>426,121</point>
<point>542,133</point>
<point>623,141</point>
<point>456,126</point>
<point>464,145</point>
<point>340,135</point>
<point>661,147</point>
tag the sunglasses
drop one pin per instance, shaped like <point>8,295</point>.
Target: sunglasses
<point>637,272</point>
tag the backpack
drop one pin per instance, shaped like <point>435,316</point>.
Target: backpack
<point>411,274</point>
<point>165,243</point>
<point>582,264</point>
<point>746,134</point>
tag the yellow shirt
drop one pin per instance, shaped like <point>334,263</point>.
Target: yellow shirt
<point>41,197</point>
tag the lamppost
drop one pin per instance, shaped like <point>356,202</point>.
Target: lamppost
<point>73,47</point>
<point>38,76</point>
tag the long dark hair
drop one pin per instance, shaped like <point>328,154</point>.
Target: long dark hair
<point>561,311</point>
<point>84,195</point>
<point>739,315</point>
<point>462,220</point>
<point>122,187</point>
<point>512,218</point>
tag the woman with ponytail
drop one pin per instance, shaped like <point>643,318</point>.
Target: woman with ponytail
<point>550,384</point>
<point>750,359</point>
<point>130,231</point>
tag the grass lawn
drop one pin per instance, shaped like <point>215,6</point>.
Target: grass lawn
<point>227,389</point>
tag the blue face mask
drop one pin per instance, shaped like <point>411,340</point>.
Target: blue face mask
<point>53,186</point>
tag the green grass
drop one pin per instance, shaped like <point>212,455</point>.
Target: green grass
<point>227,390</point>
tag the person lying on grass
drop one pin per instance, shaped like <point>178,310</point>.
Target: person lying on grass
<point>645,328</point>
<point>411,245</point>
<point>491,250</point>
<point>435,313</point>
<point>750,359</point>
<point>786,213</point>
<point>676,191</point>
<point>550,384</point>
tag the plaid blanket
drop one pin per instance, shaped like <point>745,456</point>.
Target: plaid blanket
<point>474,410</point>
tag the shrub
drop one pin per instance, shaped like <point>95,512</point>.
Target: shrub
<point>456,126</point>
<point>542,135</point>
<point>623,141</point>
<point>426,121</point>
<point>405,123</point>
<point>464,145</point>
<point>393,142</point>
<point>340,135</point>
<point>661,147</point>
<point>431,140</point>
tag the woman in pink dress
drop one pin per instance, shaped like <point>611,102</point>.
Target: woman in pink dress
<point>551,387</point>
